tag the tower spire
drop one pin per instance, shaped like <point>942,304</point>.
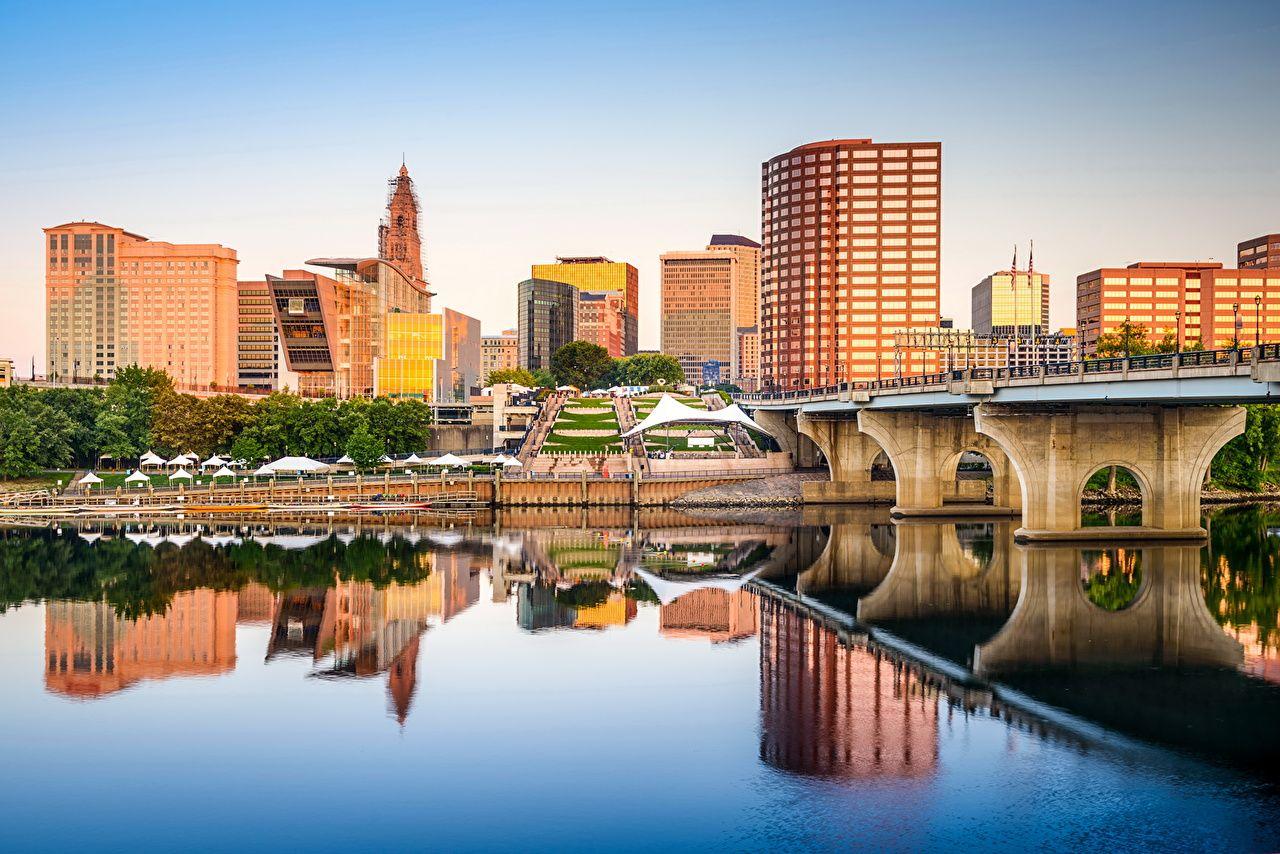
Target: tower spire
<point>398,238</point>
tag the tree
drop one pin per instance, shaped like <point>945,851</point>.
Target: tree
<point>134,394</point>
<point>246,448</point>
<point>542,378</point>
<point>511,375</point>
<point>580,364</point>
<point>648,369</point>
<point>1128,339</point>
<point>363,449</point>
<point>111,437</point>
<point>33,435</point>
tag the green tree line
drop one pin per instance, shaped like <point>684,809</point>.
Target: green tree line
<point>140,410</point>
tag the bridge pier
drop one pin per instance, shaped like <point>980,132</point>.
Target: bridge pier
<point>1168,449</point>
<point>925,450</point>
<point>849,454</point>
<point>1055,625</point>
<point>782,424</point>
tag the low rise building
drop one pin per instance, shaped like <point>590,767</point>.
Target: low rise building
<point>500,352</point>
<point>1261,251</point>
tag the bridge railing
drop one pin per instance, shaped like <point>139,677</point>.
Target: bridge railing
<point>1113,364</point>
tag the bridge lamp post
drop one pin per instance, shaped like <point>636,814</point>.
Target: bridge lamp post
<point>1177,325</point>
<point>1257,320</point>
<point>1236,325</point>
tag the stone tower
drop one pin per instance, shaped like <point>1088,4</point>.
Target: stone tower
<point>398,239</point>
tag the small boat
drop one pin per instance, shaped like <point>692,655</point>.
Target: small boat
<point>385,506</point>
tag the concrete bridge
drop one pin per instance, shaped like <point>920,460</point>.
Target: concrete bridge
<point>1045,430</point>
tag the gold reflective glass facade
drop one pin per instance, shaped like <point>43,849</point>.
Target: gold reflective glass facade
<point>601,274</point>
<point>414,343</point>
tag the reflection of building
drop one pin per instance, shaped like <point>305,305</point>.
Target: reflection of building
<point>851,233</point>
<point>115,298</point>
<point>499,352</point>
<point>710,613</point>
<point>547,317</point>
<point>1009,301</point>
<point>537,608</point>
<point>708,297</point>
<point>617,610</point>
<point>91,651</point>
<point>601,274</point>
<point>256,604</point>
<point>844,711</point>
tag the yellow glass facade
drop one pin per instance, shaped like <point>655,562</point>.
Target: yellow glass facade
<point>413,344</point>
<point>601,274</point>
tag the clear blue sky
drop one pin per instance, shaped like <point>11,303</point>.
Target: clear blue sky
<point>1106,131</point>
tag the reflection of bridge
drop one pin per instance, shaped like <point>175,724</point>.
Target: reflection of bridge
<point>1027,620</point>
<point>1044,430</point>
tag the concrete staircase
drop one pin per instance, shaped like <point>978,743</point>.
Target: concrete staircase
<point>541,428</point>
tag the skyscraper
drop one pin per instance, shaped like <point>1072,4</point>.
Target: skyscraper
<point>115,298</point>
<point>1011,302</point>
<point>547,320</point>
<point>257,346</point>
<point>708,297</point>
<point>594,273</point>
<point>398,238</point>
<point>851,231</point>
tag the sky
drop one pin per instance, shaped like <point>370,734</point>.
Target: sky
<point>1106,132</point>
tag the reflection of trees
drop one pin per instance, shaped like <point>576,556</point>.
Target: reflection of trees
<point>138,580</point>
<point>639,590</point>
<point>1111,578</point>
<point>585,594</point>
<point>1240,572</point>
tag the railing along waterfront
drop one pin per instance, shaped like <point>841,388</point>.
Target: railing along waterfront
<point>1125,365</point>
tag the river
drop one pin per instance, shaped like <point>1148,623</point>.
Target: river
<point>586,680</point>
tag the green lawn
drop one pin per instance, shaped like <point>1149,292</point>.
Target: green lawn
<point>558,441</point>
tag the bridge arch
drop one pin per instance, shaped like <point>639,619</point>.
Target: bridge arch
<point>1006,485</point>
<point>1132,470</point>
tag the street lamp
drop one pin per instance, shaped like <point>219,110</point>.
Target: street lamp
<point>1235,314</point>
<point>1257,320</point>
<point>1177,325</point>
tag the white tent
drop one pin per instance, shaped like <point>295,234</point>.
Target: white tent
<point>344,460</point>
<point>179,461</point>
<point>412,460</point>
<point>223,472</point>
<point>137,477</point>
<point>265,471</point>
<point>213,462</point>
<point>449,460</point>
<point>89,479</point>
<point>499,460</point>
<point>150,459</point>
<point>385,459</point>
<point>566,388</point>
<point>511,461</point>
<point>671,411</point>
<point>180,474</point>
<point>180,540</point>
<point>301,465</point>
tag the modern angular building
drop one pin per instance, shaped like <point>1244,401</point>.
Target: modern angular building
<point>547,316</point>
<point>851,231</point>
<point>1011,302</point>
<point>115,298</point>
<point>707,296</point>
<point>459,375</point>
<point>499,352</point>
<point>334,329</point>
<point>257,345</point>
<point>1261,251</point>
<point>594,273</point>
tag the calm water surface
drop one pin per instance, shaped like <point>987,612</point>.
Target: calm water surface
<point>617,681</point>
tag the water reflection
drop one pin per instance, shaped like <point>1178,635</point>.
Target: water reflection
<point>1105,633</point>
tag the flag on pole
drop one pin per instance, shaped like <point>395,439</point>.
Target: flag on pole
<point>1031,262</point>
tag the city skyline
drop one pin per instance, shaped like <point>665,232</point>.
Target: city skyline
<point>177,161</point>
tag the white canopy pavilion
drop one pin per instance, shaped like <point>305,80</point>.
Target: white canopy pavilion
<point>213,462</point>
<point>511,461</point>
<point>179,461</point>
<point>345,460</point>
<point>449,461</point>
<point>89,479</point>
<point>150,459</point>
<point>224,472</point>
<point>412,460</point>
<point>265,471</point>
<point>181,474</point>
<point>137,477</point>
<point>671,411</point>
<point>669,591</point>
<point>300,465</point>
